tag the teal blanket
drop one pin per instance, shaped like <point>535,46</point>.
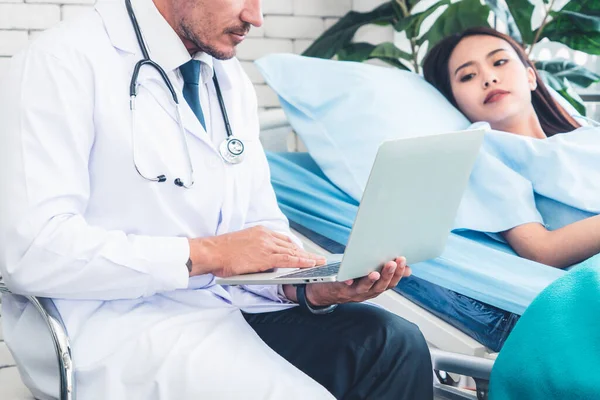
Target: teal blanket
<point>554,350</point>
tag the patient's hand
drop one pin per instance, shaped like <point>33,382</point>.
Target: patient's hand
<point>356,290</point>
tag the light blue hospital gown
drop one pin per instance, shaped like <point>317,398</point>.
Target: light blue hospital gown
<point>518,180</point>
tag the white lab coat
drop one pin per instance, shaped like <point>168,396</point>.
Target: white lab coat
<point>78,224</point>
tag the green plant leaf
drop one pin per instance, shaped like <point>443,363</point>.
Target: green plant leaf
<point>576,30</point>
<point>397,10</point>
<point>411,3</point>
<point>388,49</point>
<point>577,25</point>
<point>590,7</point>
<point>587,23</point>
<point>522,10</point>
<point>412,24</point>
<point>456,18</point>
<point>588,43</point>
<point>386,52</point>
<point>569,70</point>
<point>561,85</point>
<point>502,13</point>
<point>341,33</point>
<point>358,52</point>
<point>408,3</point>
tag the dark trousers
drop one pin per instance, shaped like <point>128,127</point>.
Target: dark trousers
<point>357,352</point>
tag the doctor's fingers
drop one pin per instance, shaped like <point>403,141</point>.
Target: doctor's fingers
<point>402,271</point>
<point>282,237</point>
<point>288,261</point>
<point>388,273</point>
<point>267,235</point>
<point>407,270</point>
<point>298,252</point>
<point>362,286</point>
<point>294,250</point>
<point>282,243</point>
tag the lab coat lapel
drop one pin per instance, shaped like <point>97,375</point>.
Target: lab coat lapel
<point>122,36</point>
<point>117,25</point>
<point>151,82</point>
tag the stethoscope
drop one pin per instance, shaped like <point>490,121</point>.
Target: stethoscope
<point>231,149</point>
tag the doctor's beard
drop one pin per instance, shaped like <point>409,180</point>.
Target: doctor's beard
<point>212,50</point>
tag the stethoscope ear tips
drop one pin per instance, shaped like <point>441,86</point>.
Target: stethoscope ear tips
<point>161,178</point>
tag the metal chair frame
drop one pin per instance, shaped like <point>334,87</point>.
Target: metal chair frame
<point>62,346</point>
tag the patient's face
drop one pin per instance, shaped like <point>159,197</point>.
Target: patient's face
<point>489,81</point>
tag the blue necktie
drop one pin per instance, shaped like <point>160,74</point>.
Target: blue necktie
<point>191,91</point>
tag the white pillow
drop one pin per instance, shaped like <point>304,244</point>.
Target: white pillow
<point>343,111</point>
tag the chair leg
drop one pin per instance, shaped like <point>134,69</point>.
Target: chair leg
<point>62,346</point>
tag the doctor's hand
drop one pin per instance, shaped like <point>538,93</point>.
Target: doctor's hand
<point>255,249</point>
<point>355,290</point>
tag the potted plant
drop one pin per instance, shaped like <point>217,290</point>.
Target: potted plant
<point>576,25</point>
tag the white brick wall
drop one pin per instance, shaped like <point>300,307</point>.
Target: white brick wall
<point>72,10</point>
<point>278,7</point>
<point>322,8</point>
<point>26,16</point>
<point>12,41</point>
<point>293,27</point>
<point>290,26</point>
<point>3,65</point>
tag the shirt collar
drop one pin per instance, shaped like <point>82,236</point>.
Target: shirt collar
<point>164,45</point>
<point>207,71</point>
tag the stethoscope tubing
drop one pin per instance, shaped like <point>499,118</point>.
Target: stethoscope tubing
<point>133,92</point>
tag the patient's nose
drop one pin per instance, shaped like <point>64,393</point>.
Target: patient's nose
<point>487,83</point>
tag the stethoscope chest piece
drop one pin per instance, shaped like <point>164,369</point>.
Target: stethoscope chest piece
<point>232,150</point>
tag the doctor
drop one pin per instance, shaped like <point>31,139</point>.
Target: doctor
<point>123,206</point>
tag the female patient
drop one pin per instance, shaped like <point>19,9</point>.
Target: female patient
<point>487,76</point>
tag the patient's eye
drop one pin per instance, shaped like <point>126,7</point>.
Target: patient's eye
<point>467,77</point>
<point>500,62</point>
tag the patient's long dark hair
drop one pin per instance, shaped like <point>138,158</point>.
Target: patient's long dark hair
<point>552,116</point>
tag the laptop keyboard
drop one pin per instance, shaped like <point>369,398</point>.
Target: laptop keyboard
<point>326,270</point>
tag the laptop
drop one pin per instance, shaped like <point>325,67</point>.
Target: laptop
<point>408,209</point>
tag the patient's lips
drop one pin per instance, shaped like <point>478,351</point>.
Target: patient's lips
<point>495,95</point>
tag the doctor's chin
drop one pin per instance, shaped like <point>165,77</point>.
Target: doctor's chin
<point>299,199</point>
